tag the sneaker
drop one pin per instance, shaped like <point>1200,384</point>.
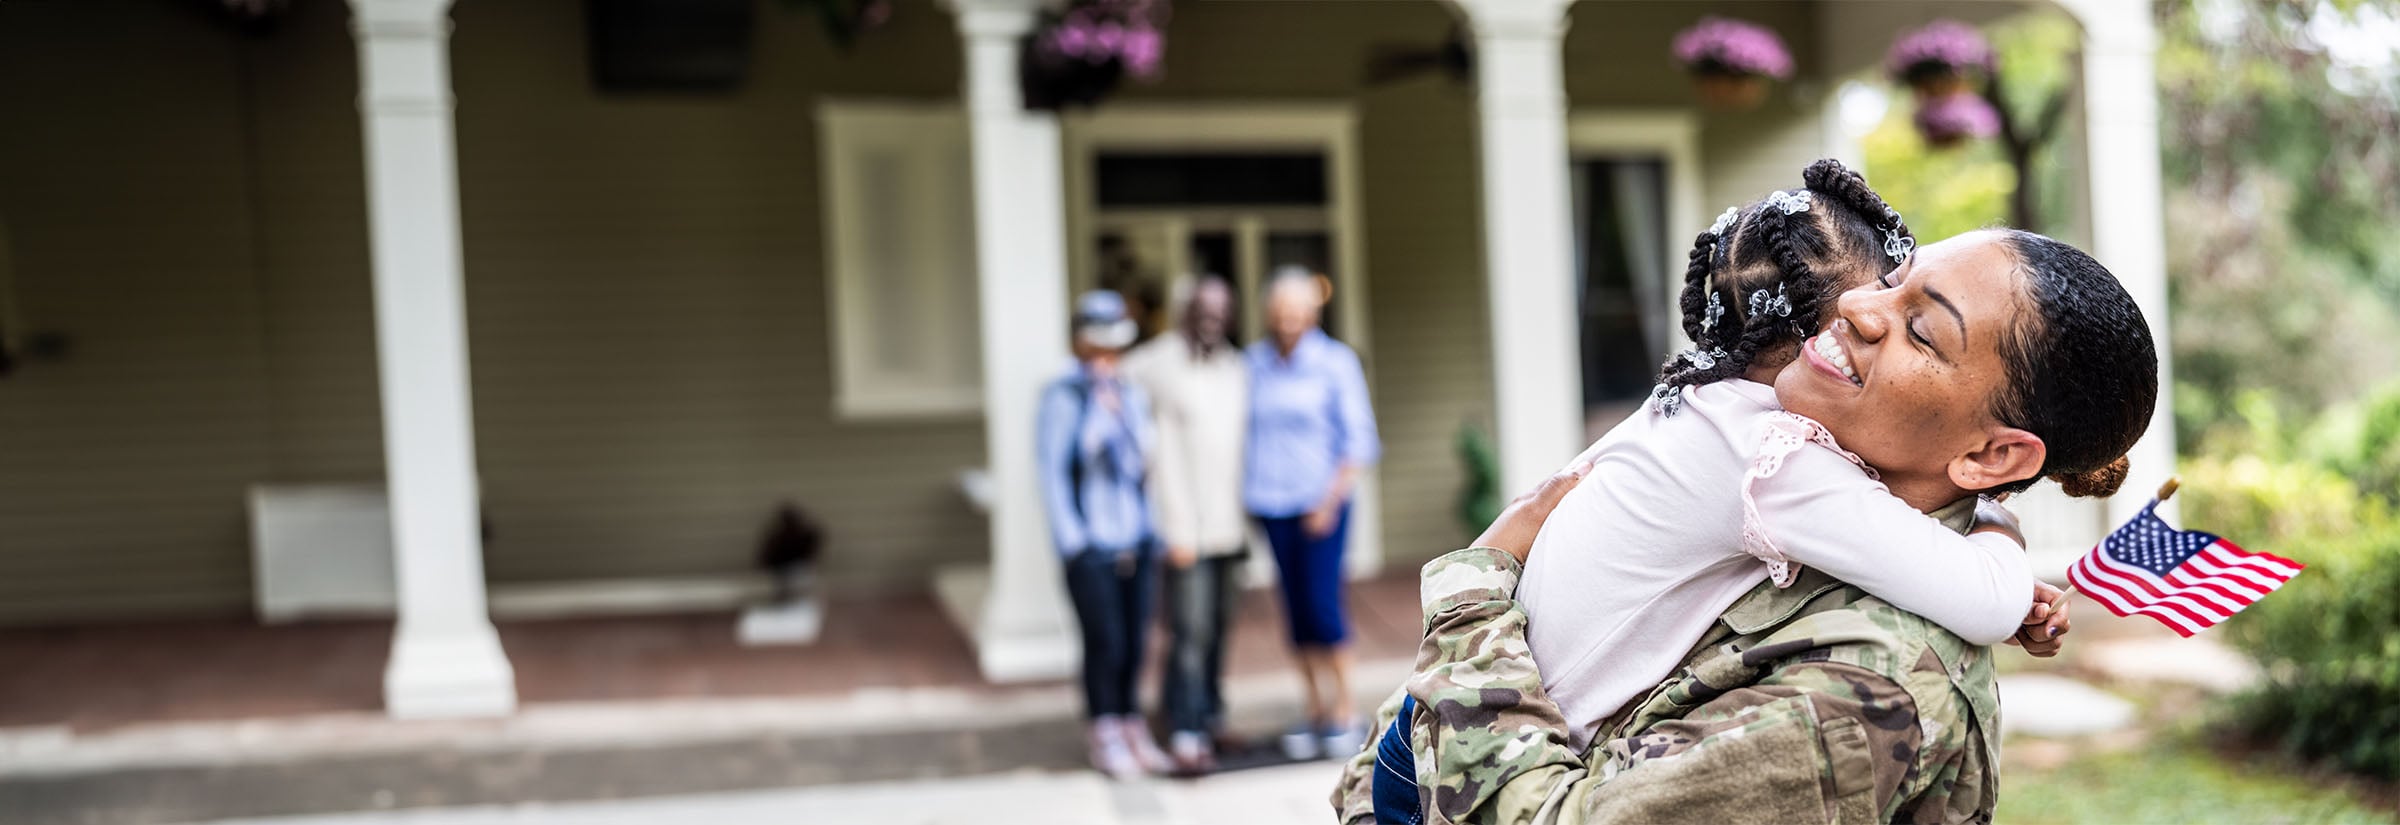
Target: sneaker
<point>1342,741</point>
<point>1302,744</point>
<point>1192,753</point>
<point>1145,748</point>
<point>1110,754</point>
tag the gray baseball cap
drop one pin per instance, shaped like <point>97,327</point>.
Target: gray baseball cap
<point>1101,321</point>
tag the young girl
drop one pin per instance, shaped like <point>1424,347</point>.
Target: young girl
<point>1714,488</point>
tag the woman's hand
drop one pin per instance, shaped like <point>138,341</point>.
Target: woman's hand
<point>1513,531</point>
<point>1318,523</point>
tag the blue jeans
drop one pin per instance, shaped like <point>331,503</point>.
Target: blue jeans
<point>1310,568</point>
<point>1111,591</point>
<point>1199,601</point>
<point>1397,801</point>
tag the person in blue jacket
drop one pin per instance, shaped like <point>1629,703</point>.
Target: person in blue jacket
<point>1093,440</point>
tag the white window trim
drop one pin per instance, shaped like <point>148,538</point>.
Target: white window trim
<point>1673,135</point>
<point>847,331</point>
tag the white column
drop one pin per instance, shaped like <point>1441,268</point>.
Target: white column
<point>1528,260</point>
<point>2120,109</point>
<point>1021,275</point>
<point>446,659</point>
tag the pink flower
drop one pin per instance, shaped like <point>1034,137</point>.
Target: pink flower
<point>1941,47</point>
<point>1071,40</point>
<point>1727,46</point>
<point>1108,38</point>
<point>1956,116</point>
<point>1143,49</point>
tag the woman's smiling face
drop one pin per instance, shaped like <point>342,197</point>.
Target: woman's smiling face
<point>1906,372</point>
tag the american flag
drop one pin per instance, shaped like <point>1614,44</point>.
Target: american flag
<point>2187,580</point>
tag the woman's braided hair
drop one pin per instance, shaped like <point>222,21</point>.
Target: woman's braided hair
<point>1760,279</point>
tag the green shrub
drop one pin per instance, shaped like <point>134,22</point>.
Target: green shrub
<point>2361,440</point>
<point>2263,504</point>
<point>2322,492</point>
<point>2330,645</point>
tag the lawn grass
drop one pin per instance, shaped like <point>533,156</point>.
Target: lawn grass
<point>2175,780</point>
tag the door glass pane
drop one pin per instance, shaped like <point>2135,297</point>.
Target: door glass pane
<point>1134,263</point>
<point>1179,179</point>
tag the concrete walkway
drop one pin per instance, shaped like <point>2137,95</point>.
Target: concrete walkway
<point>1265,796</point>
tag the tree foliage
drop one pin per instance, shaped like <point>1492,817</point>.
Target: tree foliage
<point>2282,165</point>
<point>2280,149</point>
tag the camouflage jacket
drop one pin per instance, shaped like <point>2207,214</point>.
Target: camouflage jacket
<point>1813,703</point>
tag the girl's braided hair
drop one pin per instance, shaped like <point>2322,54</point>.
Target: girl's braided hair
<point>1759,280</point>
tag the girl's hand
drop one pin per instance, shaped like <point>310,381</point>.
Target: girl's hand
<point>2045,623</point>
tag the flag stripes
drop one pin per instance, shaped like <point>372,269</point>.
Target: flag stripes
<point>2188,581</point>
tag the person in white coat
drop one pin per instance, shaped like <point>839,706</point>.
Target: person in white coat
<point>1199,389</point>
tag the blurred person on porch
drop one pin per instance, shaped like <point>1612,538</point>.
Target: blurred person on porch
<point>1311,435</point>
<point>1094,441</point>
<point>1199,391</point>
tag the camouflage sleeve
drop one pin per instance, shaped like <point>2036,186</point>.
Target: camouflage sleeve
<point>1354,793</point>
<point>1483,720</point>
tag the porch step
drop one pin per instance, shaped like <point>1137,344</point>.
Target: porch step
<point>555,753</point>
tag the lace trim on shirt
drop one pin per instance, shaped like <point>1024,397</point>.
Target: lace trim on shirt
<point>1785,433</point>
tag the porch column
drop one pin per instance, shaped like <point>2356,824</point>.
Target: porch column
<point>446,658</point>
<point>1022,631</point>
<point>1528,259</point>
<point>2120,110</point>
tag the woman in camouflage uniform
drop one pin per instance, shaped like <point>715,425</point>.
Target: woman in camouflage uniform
<point>1815,702</point>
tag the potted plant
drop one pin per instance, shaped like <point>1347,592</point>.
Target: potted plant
<point>1078,55</point>
<point>1732,61</point>
<point>1942,59</point>
<point>790,553</point>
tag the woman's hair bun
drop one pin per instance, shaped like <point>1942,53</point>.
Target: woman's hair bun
<point>2096,483</point>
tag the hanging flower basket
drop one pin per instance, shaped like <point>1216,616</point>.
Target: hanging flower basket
<point>1941,60</point>
<point>1954,118</point>
<point>1730,92</point>
<point>1732,61</point>
<point>1078,56</point>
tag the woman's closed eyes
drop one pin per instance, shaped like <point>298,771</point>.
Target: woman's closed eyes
<point>1893,280</point>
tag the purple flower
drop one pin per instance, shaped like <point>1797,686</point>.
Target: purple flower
<point>1143,49</point>
<point>1956,116</point>
<point>1109,38</point>
<point>1071,40</point>
<point>1123,33</point>
<point>1726,46</point>
<point>1941,47</point>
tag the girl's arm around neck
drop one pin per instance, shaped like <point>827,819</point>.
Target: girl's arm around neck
<point>1822,511</point>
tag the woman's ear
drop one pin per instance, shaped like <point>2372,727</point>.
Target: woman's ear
<point>2007,455</point>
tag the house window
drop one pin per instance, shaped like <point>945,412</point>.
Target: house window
<point>900,261</point>
<point>1635,177</point>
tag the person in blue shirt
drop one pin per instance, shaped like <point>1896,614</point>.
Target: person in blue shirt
<point>1311,435</point>
<point>1093,440</point>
